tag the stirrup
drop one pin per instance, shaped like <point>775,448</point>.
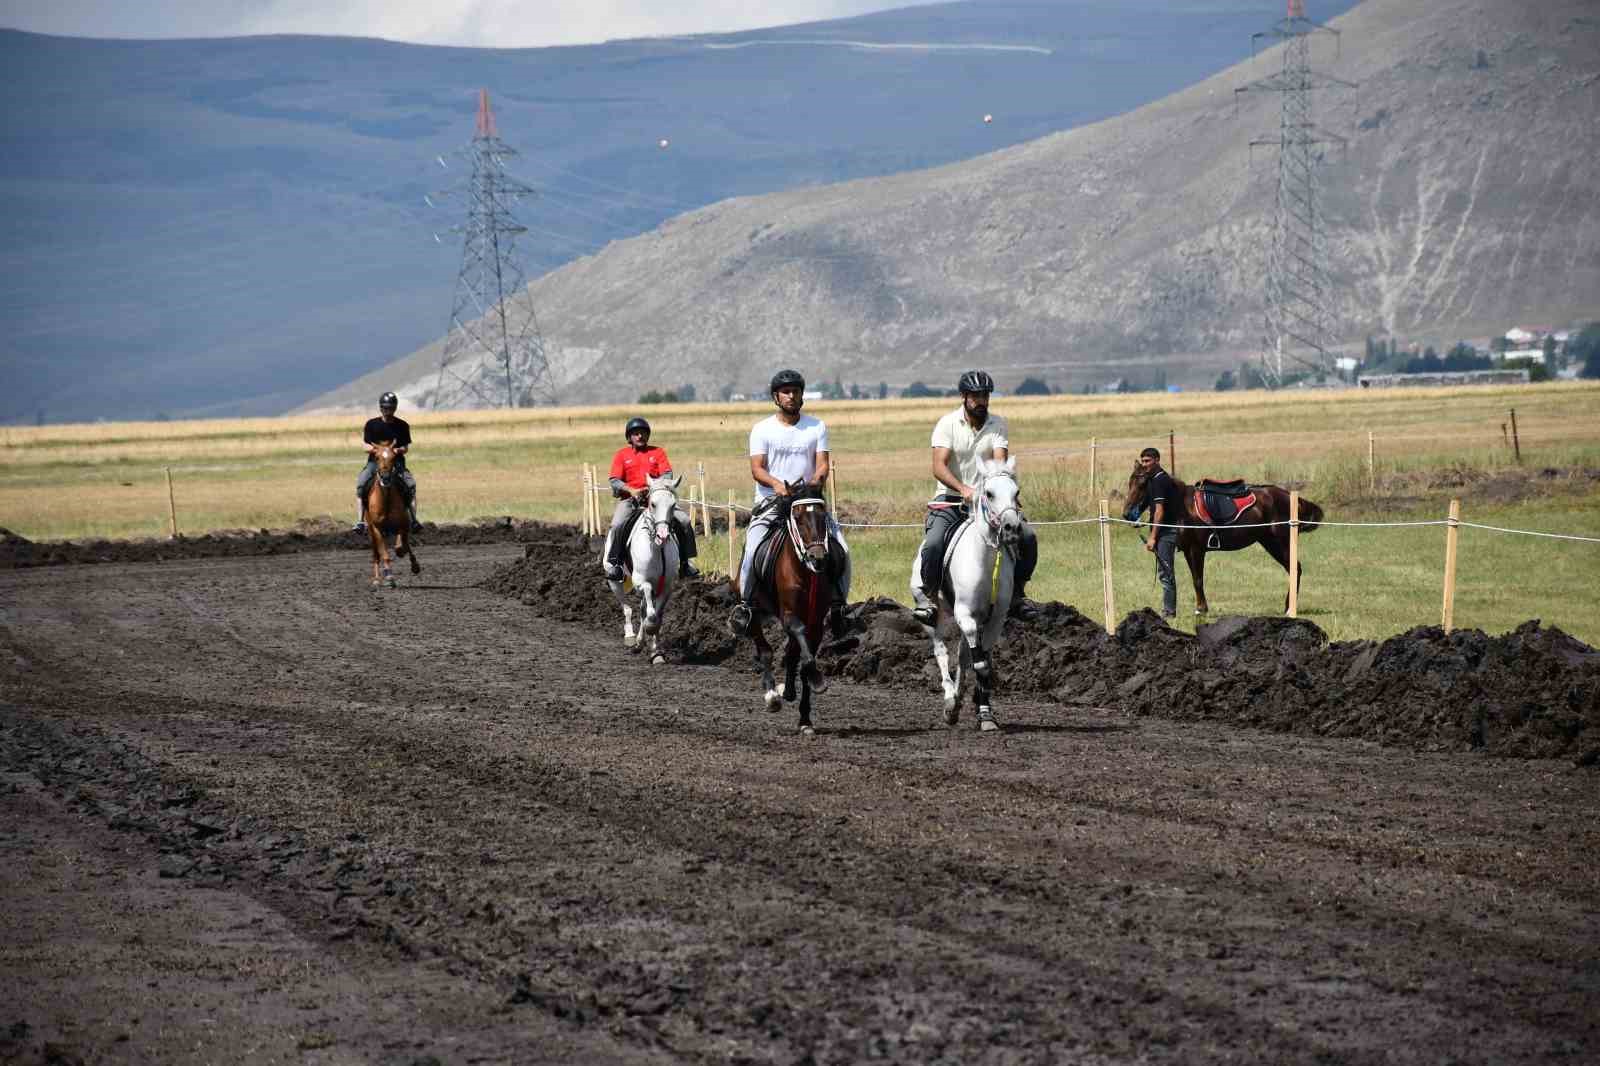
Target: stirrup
<point>359,527</point>
<point>614,572</point>
<point>688,569</point>
<point>926,613</point>
<point>740,619</point>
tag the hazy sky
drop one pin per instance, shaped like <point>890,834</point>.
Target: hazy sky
<point>490,23</point>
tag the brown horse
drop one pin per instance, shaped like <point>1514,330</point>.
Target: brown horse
<point>1253,526</point>
<point>798,593</point>
<point>386,513</point>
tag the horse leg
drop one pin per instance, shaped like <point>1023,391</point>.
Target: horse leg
<point>769,687</point>
<point>982,669</point>
<point>806,728</point>
<point>375,539</point>
<point>948,683</point>
<point>791,665</point>
<point>1194,553</point>
<point>411,550</point>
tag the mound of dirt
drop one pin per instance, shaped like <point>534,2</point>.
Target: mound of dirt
<point>1533,692</point>
<point>320,534</point>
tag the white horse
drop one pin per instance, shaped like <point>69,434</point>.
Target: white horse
<point>979,595</point>
<point>653,557</point>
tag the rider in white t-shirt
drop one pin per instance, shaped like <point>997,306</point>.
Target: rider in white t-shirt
<point>787,447</point>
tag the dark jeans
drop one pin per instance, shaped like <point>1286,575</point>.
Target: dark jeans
<point>941,522</point>
<point>1166,550</point>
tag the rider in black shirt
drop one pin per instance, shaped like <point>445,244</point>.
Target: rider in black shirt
<point>386,427</point>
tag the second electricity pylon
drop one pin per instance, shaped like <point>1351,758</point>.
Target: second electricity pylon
<point>1297,273</point>
<point>494,355</point>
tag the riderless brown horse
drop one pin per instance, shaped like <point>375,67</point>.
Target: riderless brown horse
<point>386,513</point>
<point>1264,522</point>
<point>797,591</point>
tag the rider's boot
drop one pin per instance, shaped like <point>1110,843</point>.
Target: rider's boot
<point>1022,608</point>
<point>411,509</point>
<point>686,568</point>
<point>361,516</point>
<point>923,609</point>
<point>614,550</point>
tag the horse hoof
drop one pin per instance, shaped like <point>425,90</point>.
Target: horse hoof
<point>658,659</point>
<point>986,722</point>
<point>390,583</point>
<point>630,641</point>
<point>773,699</point>
<point>819,683</point>
<point>807,731</point>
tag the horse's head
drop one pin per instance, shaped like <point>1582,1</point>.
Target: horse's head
<point>998,497</point>
<point>808,525</point>
<point>659,505</point>
<point>385,457</point>
<point>1138,493</point>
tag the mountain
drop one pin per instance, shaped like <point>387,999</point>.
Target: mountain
<point>235,226</point>
<point>1465,201</point>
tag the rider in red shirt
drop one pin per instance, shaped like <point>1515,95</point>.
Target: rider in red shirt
<point>631,468</point>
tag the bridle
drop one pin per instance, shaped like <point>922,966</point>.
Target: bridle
<point>648,520</point>
<point>988,519</point>
<point>386,480</point>
<point>801,546</point>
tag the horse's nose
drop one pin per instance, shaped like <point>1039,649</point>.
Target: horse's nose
<point>1131,514</point>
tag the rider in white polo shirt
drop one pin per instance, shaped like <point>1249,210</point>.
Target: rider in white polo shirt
<point>787,447</point>
<point>960,439</point>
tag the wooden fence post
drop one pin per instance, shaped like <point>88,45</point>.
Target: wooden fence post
<point>594,498</point>
<point>1516,445</point>
<point>705,515</point>
<point>1094,448</point>
<point>732,564</point>
<point>583,500</point>
<point>1452,530</point>
<point>1172,453</point>
<point>1105,564</point>
<point>1294,553</point>
<point>1372,465</point>
<point>833,488</point>
<point>172,505</point>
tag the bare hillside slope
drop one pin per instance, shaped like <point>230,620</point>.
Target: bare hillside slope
<point>1465,201</point>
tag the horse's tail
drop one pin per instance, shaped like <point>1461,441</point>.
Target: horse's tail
<point>1310,515</point>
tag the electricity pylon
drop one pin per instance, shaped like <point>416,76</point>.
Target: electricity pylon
<point>1297,273</point>
<point>494,355</point>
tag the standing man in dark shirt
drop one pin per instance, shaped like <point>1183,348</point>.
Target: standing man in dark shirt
<point>386,427</point>
<point>1166,514</point>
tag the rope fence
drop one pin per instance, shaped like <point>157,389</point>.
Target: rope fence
<point>700,508</point>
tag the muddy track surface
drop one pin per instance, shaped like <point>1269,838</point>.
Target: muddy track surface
<point>255,811</point>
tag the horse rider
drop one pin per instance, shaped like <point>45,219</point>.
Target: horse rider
<point>960,439</point>
<point>786,447</point>
<point>1166,514</point>
<point>386,427</point>
<point>635,463</point>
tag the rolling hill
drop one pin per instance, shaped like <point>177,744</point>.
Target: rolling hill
<point>1464,201</point>
<point>236,226</point>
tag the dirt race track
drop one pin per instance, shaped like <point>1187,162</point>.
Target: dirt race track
<point>254,811</point>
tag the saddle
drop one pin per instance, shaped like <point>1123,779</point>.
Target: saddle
<point>1220,503</point>
<point>626,532</point>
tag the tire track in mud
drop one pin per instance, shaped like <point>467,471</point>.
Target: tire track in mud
<point>705,883</point>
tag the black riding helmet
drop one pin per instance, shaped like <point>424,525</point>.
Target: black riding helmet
<point>976,381</point>
<point>635,423</point>
<point>784,379</point>
<point>388,401</point>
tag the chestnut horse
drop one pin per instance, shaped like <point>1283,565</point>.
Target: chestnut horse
<point>1253,526</point>
<point>797,593</point>
<point>386,513</point>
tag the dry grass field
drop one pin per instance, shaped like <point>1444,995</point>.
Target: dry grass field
<point>109,480</point>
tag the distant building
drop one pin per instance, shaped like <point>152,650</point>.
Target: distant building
<point>1535,355</point>
<point>1448,377</point>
